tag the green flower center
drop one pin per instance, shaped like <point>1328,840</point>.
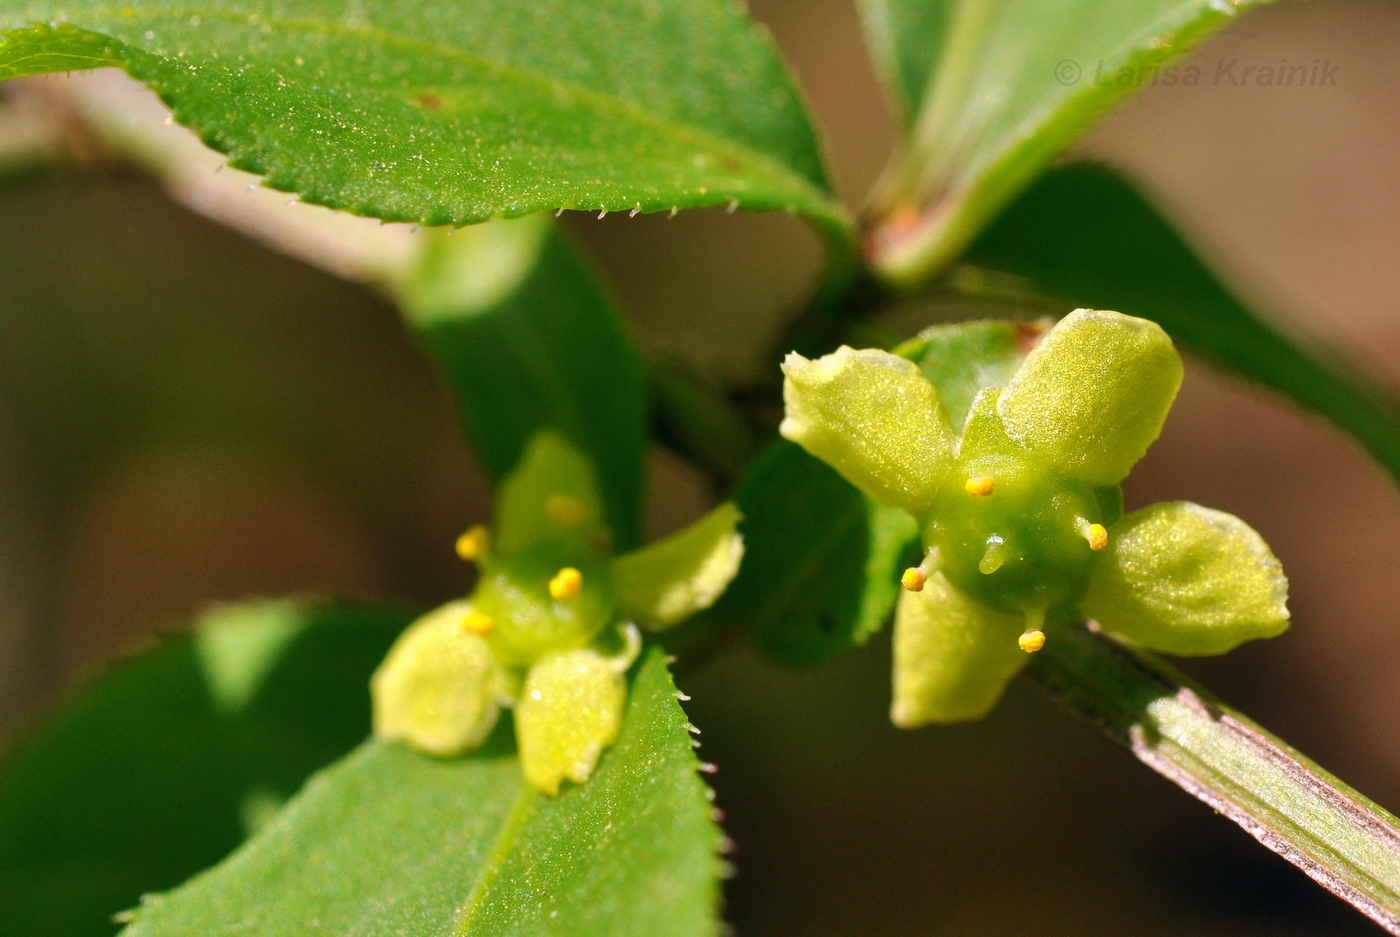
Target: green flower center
<point>1014,533</point>
<point>528,619</point>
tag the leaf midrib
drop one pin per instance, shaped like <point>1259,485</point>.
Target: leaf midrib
<point>599,100</point>
<point>495,860</point>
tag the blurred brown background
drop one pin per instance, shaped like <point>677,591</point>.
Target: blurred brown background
<point>186,416</point>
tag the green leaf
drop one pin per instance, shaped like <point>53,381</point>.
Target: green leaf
<point>452,113</point>
<point>61,49</point>
<point>389,842</point>
<point>962,359</point>
<point>672,579</point>
<point>1014,85</point>
<point>692,416</point>
<point>528,339</point>
<point>157,769</point>
<point>1084,237</point>
<point>906,37</point>
<point>821,561</point>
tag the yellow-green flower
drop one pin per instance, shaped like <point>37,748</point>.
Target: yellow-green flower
<point>552,626</point>
<point>1020,513</point>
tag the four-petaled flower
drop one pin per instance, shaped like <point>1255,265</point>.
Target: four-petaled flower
<point>1021,513</point>
<point>552,625</point>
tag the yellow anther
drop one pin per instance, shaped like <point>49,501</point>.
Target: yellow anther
<point>566,584</point>
<point>913,579</point>
<point>564,510</point>
<point>980,485</point>
<point>1096,534</point>
<point>478,622</point>
<point>1031,641</point>
<point>475,543</point>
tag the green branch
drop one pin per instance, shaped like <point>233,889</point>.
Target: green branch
<point>1343,841</point>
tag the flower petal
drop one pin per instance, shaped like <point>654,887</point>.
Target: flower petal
<point>439,689</point>
<point>569,711</point>
<point>952,656</point>
<point>551,496</point>
<point>1092,396</point>
<point>874,418</point>
<point>1188,580</point>
<point>674,578</point>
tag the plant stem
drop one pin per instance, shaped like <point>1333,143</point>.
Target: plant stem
<point>1342,840</point>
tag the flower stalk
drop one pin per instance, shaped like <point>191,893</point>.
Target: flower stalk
<point>1339,838</point>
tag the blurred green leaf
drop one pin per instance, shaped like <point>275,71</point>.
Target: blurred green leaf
<point>1014,84</point>
<point>158,769</point>
<point>1084,236</point>
<point>692,416</point>
<point>905,38</point>
<point>389,842</point>
<point>528,339</point>
<point>421,111</point>
<point>821,561</point>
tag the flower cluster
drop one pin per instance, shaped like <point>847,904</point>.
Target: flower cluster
<point>552,626</point>
<point>1021,512</point>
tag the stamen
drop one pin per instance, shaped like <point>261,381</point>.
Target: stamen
<point>996,555</point>
<point>915,577</point>
<point>475,543</point>
<point>566,584</point>
<point>478,623</point>
<point>1096,534</point>
<point>564,510</point>
<point>1033,639</point>
<point>979,486</point>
